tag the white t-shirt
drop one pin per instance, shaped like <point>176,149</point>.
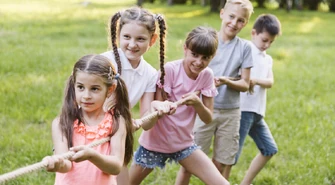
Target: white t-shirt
<point>256,102</point>
<point>138,81</point>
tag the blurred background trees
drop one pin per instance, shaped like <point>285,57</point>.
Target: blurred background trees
<point>216,5</point>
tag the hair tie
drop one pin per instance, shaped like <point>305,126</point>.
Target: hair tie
<point>158,17</point>
<point>116,77</point>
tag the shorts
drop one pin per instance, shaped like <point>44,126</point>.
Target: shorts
<point>151,159</point>
<point>225,129</point>
<point>254,125</point>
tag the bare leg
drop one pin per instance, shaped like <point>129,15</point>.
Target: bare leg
<point>123,177</point>
<point>255,167</point>
<point>137,174</point>
<point>223,169</point>
<point>201,166</point>
<point>183,177</point>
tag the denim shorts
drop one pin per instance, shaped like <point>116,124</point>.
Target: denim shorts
<point>254,125</point>
<point>151,159</point>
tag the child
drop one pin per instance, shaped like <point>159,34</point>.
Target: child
<point>83,120</point>
<point>265,30</point>
<point>233,55</point>
<point>136,31</point>
<point>171,137</point>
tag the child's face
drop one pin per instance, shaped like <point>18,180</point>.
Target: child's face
<point>135,40</point>
<point>91,92</point>
<point>262,40</point>
<point>234,18</point>
<point>194,63</point>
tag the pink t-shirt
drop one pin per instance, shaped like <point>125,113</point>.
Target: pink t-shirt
<point>173,133</point>
<point>86,173</point>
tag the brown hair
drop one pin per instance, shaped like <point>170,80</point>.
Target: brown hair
<point>102,67</point>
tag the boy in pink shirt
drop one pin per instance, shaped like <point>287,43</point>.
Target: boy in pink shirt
<point>171,137</point>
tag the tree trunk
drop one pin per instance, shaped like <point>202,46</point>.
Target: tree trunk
<point>260,3</point>
<point>215,4</point>
<point>332,5</point>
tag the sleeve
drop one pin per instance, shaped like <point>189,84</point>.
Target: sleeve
<point>151,86</point>
<point>247,56</point>
<point>209,88</point>
<point>168,78</point>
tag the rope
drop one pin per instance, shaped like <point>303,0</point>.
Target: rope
<point>43,164</point>
<point>153,115</point>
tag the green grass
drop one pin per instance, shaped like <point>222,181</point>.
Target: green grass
<point>41,40</point>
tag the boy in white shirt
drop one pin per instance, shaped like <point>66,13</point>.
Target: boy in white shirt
<point>253,103</point>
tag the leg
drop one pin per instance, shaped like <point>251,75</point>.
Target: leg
<point>201,166</point>
<point>203,137</point>
<point>267,146</point>
<point>255,167</point>
<point>226,141</point>
<point>123,177</point>
<point>183,177</point>
<point>143,164</point>
<point>137,174</point>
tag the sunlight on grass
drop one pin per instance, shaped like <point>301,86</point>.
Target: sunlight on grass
<point>307,27</point>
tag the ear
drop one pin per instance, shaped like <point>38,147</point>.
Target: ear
<point>221,13</point>
<point>253,32</point>
<point>153,39</point>
<point>185,49</point>
<point>111,90</point>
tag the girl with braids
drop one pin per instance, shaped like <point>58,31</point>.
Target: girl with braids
<point>135,30</point>
<point>83,119</point>
<point>171,138</point>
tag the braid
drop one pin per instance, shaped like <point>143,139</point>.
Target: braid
<point>113,26</point>
<point>162,29</point>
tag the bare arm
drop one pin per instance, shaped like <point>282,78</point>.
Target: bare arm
<point>205,109</point>
<point>265,83</point>
<point>55,163</point>
<point>110,164</point>
<point>239,85</point>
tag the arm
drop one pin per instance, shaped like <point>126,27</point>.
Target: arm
<point>110,164</point>
<point>157,105</point>
<point>55,163</point>
<point>238,85</point>
<point>265,83</point>
<point>203,108</point>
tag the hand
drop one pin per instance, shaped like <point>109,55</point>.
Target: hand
<point>82,153</point>
<point>251,86</point>
<point>163,107</point>
<point>220,80</point>
<point>54,162</point>
<point>191,99</point>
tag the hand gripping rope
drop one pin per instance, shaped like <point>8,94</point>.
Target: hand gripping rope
<point>43,164</point>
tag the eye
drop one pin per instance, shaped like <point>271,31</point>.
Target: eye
<point>141,39</point>
<point>194,54</point>
<point>95,89</point>
<point>126,37</point>
<point>241,21</point>
<point>207,58</point>
<point>231,16</point>
<point>80,87</point>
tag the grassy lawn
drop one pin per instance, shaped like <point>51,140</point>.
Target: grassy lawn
<point>42,39</point>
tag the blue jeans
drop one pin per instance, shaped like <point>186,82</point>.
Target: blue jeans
<point>152,159</point>
<point>254,125</point>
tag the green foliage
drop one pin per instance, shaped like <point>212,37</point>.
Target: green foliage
<point>41,40</point>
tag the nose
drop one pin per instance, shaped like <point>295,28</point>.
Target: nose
<point>86,94</point>
<point>132,43</point>
<point>234,22</point>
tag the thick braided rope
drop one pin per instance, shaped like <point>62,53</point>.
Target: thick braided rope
<point>44,164</point>
<point>153,115</point>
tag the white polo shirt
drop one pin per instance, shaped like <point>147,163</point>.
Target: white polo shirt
<point>256,102</point>
<point>138,81</point>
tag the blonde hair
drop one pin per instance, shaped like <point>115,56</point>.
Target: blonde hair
<point>245,4</point>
